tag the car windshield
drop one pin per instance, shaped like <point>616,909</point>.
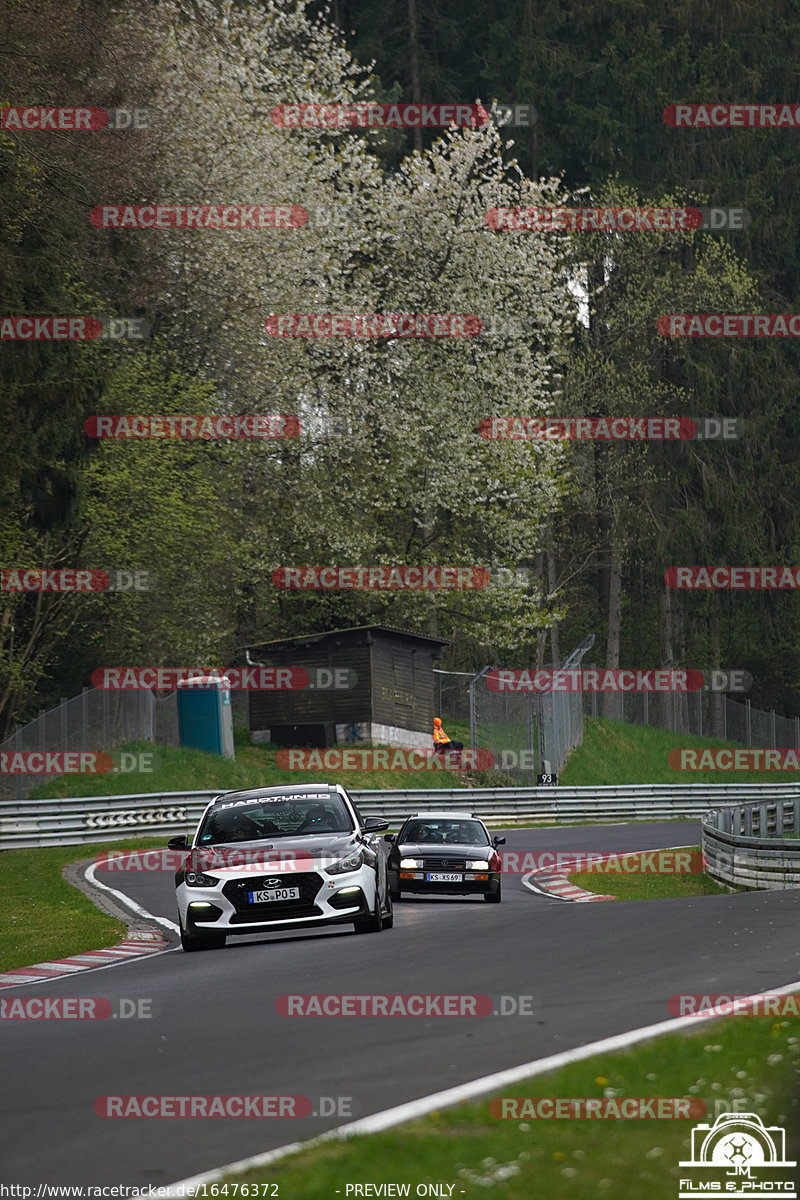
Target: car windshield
<point>444,831</point>
<point>268,817</point>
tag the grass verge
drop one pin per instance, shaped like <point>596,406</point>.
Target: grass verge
<point>42,916</point>
<point>748,1064</point>
<point>611,879</point>
<point>182,769</point>
<point>615,753</point>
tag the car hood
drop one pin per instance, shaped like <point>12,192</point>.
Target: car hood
<point>444,850</point>
<point>276,855</point>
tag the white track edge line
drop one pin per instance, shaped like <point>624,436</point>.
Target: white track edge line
<point>401,1113</point>
<point>131,904</point>
<point>116,962</point>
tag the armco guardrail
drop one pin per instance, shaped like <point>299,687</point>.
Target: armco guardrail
<point>744,844</point>
<point>85,820</point>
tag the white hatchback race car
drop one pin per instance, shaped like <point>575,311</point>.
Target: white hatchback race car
<point>280,858</point>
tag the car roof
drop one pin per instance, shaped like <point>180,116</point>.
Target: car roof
<point>459,816</point>
<point>288,789</point>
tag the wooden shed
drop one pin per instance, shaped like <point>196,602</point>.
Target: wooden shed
<point>385,693</point>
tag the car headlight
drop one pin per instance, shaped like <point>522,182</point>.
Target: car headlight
<point>350,862</point>
<point>478,864</point>
<point>198,879</point>
<point>411,863</point>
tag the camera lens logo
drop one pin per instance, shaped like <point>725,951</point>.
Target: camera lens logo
<point>737,1155</point>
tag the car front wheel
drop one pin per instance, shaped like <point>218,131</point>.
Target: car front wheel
<point>373,923</point>
<point>493,897</point>
<point>196,941</point>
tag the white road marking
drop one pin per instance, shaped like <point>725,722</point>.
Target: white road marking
<point>473,1090</point>
<point>131,904</point>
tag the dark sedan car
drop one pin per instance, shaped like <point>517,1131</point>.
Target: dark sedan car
<point>444,853</point>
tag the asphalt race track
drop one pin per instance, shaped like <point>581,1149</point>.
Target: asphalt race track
<point>592,970</point>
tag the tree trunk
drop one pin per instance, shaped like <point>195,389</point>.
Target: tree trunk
<point>666,654</point>
<point>416,91</point>
<point>716,700</point>
<point>612,701</point>
<point>552,575</point>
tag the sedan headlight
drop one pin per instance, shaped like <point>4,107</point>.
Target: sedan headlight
<point>411,863</point>
<point>198,879</point>
<point>350,862</point>
<point>478,864</point>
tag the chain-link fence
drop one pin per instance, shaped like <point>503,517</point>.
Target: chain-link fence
<point>98,719</point>
<point>707,714</point>
<point>529,734</point>
<point>451,694</point>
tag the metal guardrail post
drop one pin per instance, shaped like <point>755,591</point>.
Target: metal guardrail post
<point>18,778</point>
<point>529,717</point>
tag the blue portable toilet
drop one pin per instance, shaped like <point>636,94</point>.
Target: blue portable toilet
<point>205,720</point>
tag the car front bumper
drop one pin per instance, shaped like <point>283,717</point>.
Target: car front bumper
<point>471,883</point>
<point>323,900</point>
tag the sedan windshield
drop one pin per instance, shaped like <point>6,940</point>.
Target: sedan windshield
<point>467,833</point>
<point>269,817</point>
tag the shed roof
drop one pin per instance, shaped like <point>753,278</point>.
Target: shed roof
<point>309,638</point>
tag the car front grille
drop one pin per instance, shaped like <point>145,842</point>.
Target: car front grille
<point>236,890</point>
<point>444,864</point>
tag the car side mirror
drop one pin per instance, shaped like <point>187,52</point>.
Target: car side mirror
<point>498,841</point>
<point>388,837</point>
<point>375,824</point>
<point>178,843</point>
